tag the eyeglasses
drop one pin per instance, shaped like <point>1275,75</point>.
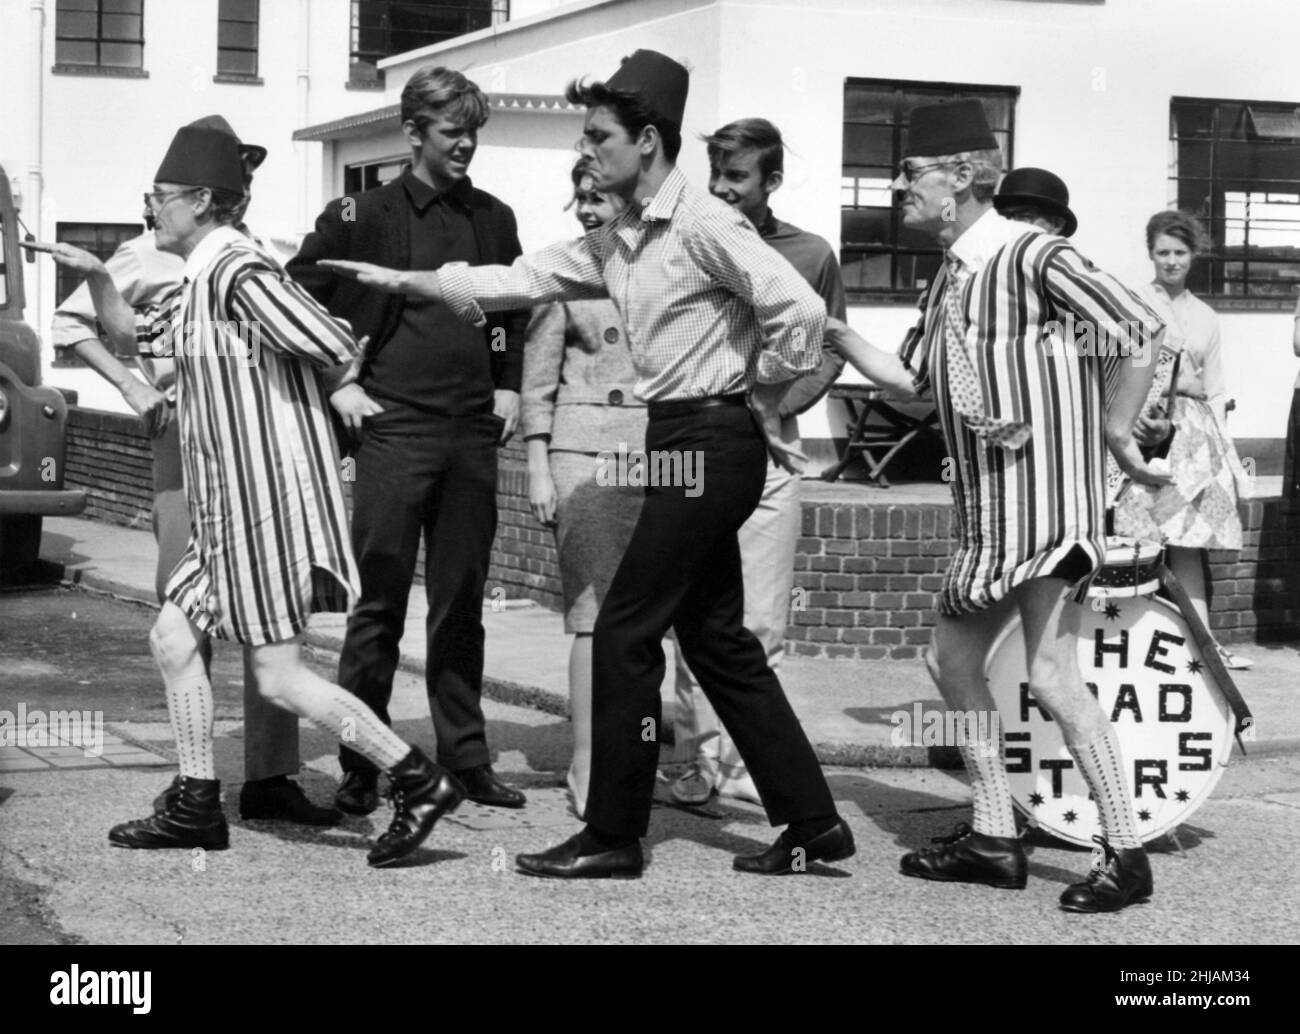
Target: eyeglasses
<point>912,173</point>
<point>155,199</point>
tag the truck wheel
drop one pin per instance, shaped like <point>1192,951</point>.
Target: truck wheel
<point>20,545</point>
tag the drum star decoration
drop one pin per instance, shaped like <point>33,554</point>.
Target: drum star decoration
<point>1142,660</point>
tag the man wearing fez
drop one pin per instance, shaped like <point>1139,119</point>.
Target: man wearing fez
<point>146,277</point>
<point>746,166</point>
<point>430,421</point>
<point>1027,425</point>
<point>714,316</point>
<point>268,544</point>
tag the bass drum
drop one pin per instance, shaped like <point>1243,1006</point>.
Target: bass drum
<point>1140,661</point>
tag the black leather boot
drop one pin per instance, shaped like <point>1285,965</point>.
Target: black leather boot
<point>1118,878</point>
<point>192,818</point>
<point>422,794</point>
<point>164,799</point>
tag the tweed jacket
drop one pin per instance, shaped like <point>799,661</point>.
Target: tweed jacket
<point>578,379</point>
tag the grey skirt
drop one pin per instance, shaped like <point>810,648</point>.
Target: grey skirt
<point>594,524</point>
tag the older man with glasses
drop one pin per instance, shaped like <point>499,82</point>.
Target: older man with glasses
<point>1028,425</point>
<point>146,277</point>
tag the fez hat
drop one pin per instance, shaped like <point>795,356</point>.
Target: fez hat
<point>949,128</point>
<point>659,81</point>
<point>1040,188</point>
<point>252,154</point>
<point>207,153</point>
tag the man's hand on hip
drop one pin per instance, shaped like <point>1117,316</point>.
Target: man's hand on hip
<point>765,403</point>
<point>150,405</point>
<point>353,405</point>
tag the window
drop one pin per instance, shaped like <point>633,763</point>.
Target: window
<point>368,175</point>
<point>99,33</point>
<point>381,28</point>
<point>1236,166</point>
<point>237,38</point>
<point>101,239</point>
<point>883,260</point>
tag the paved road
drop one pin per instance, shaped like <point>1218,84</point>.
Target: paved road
<point>1233,881</point>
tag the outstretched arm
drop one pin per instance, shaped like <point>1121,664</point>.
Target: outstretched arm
<point>74,326</point>
<point>884,368</point>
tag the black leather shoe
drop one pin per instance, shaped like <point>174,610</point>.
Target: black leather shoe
<point>790,854</point>
<point>358,793</point>
<point>565,862</point>
<point>193,818</point>
<point>483,787</point>
<point>970,857</point>
<point>1118,878</point>
<point>422,794</point>
<point>281,799</point>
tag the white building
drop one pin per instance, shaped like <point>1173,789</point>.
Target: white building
<point>1139,104</point>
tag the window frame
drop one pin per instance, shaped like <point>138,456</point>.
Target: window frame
<point>227,75</point>
<point>498,12</point>
<point>360,171</point>
<point>1209,276</point>
<point>930,90</point>
<point>66,357</point>
<point>99,41</point>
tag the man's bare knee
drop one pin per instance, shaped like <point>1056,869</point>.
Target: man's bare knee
<point>173,643</point>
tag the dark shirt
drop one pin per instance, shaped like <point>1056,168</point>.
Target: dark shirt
<point>434,361</point>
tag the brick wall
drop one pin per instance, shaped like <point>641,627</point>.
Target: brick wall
<point>108,455</point>
<point>865,578</point>
<point>865,575</point>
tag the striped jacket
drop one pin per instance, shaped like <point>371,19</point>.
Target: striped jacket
<point>1045,330</point>
<point>269,540</point>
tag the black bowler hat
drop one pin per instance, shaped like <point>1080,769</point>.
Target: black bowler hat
<point>948,128</point>
<point>1039,188</point>
<point>660,82</point>
<point>252,154</point>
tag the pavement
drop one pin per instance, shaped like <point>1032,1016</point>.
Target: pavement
<point>845,705</point>
<point>1225,878</point>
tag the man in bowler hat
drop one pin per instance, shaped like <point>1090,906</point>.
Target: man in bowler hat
<point>716,319</point>
<point>1036,196</point>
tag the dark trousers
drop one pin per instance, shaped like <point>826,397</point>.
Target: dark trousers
<point>682,570</point>
<point>421,473</point>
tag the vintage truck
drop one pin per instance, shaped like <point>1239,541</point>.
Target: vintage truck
<point>32,419</point>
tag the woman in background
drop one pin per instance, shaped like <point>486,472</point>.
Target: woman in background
<point>578,413</point>
<point>1199,510</point>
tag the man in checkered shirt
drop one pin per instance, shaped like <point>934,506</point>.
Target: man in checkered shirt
<point>718,323</point>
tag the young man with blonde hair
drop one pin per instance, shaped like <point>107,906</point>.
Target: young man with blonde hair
<point>428,423</point>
